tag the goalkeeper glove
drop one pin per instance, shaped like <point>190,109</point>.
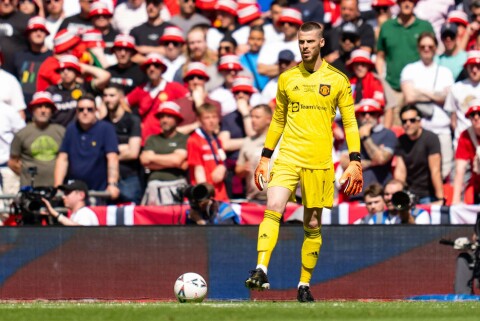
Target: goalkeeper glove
<point>352,178</point>
<point>261,173</point>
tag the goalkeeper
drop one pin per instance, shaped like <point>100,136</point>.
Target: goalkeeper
<point>307,98</point>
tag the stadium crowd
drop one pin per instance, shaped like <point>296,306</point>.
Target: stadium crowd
<point>139,98</point>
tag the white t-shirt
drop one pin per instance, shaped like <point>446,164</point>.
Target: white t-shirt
<point>172,67</point>
<point>271,35</point>
<point>85,217</point>
<point>269,54</point>
<point>10,123</point>
<point>269,92</point>
<point>125,17</point>
<point>227,100</point>
<point>11,91</point>
<point>458,99</point>
<point>433,77</point>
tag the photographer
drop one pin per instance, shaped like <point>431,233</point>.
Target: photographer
<point>75,199</point>
<point>205,210</point>
<point>401,206</point>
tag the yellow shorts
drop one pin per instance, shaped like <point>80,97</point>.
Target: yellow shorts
<point>317,185</point>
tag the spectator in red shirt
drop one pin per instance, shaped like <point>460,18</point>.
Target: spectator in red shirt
<point>365,83</point>
<point>147,97</point>
<point>64,43</point>
<point>206,158</point>
<point>467,153</point>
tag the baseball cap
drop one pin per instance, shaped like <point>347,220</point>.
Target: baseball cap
<point>349,28</point>
<point>75,185</point>
<point>286,55</point>
<point>449,29</point>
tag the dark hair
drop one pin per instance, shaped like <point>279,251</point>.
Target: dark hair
<point>257,28</point>
<point>87,96</point>
<point>118,87</point>
<point>410,107</point>
<point>427,34</point>
<point>264,107</point>
<point>373,190</point>
<point>229,39</point>
<point>312,25</point>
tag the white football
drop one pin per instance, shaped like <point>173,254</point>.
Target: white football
<point>190,287</point>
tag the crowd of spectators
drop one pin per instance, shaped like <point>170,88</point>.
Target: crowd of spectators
<point>139,98</point>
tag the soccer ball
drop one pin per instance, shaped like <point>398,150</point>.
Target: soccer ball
<point>190,287</point>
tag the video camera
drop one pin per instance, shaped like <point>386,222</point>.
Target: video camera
<point>403,200</point>
<point>28,202</point>
<point>200,199</point>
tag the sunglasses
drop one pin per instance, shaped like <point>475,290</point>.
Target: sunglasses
<point>242,92</point>
<point>50,1</point>
<point>158,66</point>
<point>226,48</point>
<point>174,43</point>
<point>410,120</point>
<point>473,114</point>
<point>365,113</point>
<point>429,47</point>
<point>187,1</point>
<point>195,77</point>
<point>352,39</point>
<point>474,16</point>
<point>88,109</point>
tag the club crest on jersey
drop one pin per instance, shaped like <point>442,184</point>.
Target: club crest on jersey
<point>324,90</point>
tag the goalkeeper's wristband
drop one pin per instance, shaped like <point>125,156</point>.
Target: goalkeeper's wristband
<point>267,152</point>
<point>355,157</point>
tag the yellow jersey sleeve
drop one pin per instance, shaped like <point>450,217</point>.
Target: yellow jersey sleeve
<point>350,126</point>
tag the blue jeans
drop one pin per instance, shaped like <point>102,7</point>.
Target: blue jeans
<point>130,190</point>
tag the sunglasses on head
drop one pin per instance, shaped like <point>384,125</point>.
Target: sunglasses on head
<point>410,120</point>
<point>87,109</point>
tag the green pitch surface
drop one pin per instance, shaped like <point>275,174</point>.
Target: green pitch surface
<point>244,310</point>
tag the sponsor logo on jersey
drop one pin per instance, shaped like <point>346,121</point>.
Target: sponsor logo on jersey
<point>295,107</point>
<point>324,90</point>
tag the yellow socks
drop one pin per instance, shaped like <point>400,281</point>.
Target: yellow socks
<point>267,237</point>
<point>312,243</point>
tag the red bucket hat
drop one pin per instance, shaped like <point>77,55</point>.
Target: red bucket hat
<point>172,33</point>
<point>69,61</point>
<point>154,58</point>
<point>360,55</point>
<point>473,106</point>
<point>42,97</point>
<point>243,84</point>
<point>230,62</point>
<point>248,14</point>
<point>124,41</point>
<point>93,38</point>
<point>64,40</point>
<point>99,8</point>
<point>196,69</point>
<point>290,15</point>
<point>368,105</point>
<point>228,6</point>
<point>37,23</point>
<point>169,108</point>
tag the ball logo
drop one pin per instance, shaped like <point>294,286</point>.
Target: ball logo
<point>324,90</point>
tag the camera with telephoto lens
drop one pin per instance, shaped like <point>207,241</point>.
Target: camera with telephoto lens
<point>403,200</point>
<point>28,201</point>
<point>200,199</point>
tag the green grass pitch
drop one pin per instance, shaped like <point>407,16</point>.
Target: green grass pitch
<point>240,310</point>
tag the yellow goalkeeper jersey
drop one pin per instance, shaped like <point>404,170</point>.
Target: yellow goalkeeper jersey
<point>306,108</point>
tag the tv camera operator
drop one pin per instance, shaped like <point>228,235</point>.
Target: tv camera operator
<point>467,268</point>
<point>204,209</point>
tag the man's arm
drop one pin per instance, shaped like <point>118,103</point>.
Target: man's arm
<point>199,174</point>
<point>61,167</point>
<point>378,154</point>
<point>15,164</point>
<point>268,70</point>
<point>400,171</point>
<point>154,161</point>
<point>460,170</point>
<point>131,150</point>
<point>113,175</point>
<point>380,63</point>
<point>230,144</point>
<point>435,165</point>
<point>101,77</point>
